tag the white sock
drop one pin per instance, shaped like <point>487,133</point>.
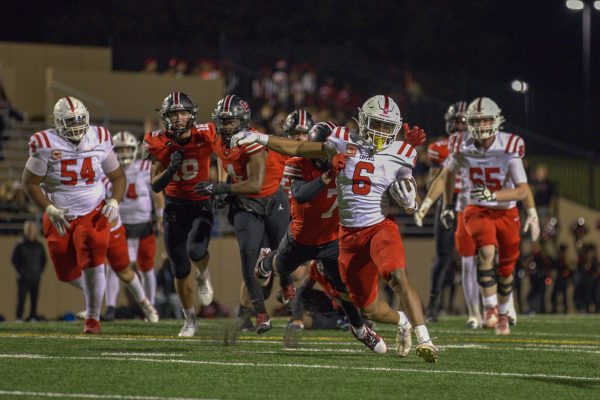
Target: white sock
<point>422,334</point>
<point>503,307</point>
<point>78,283</point>
<point>149,283</point>
<point>189,314</point>
<point>470,285</point>
<point>404,322</point>
<point>512,311</point>
<point>112,287</point>
<point>490,301</point>
<point>136,288</point>
<point>94,283</point>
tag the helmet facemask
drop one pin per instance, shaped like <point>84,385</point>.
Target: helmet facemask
<point>482,128</point>
<point>378,132</point>
<point>456,124</point>
<point>73,128</point>
<point>125,154</point>
<point>227,127</point>
<point>178,121</point>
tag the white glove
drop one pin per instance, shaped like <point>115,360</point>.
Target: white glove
<point>404,195</point>
<point>447,217</point>
<point>111,210</point>
<point>422,212</point>
<point>482,193</point>
<point>57,217</point>
<point>248,137</point>
<point>532,223</point>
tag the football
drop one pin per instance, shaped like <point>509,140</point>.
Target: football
<point>411,183</point>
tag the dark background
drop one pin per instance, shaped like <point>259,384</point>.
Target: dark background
<point>455,49</point>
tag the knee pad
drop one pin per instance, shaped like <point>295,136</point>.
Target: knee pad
<point>505,289</point>
<point>486,277</point>
<point>181,271</point>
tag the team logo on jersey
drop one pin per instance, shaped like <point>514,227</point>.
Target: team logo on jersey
<point>56,155</point>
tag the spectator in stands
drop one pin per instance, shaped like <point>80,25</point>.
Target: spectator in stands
<point>181,68</point>
<point>545,194</point>
<point>150,65</point>
<point>563,277</point>
<point>539,270</point>
<point>29,259</point>
<point>586,280</point>
<point>171,70</point>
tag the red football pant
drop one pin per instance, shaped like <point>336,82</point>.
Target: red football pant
<point>117,254</point>
<point>367,253</point>
<point>499,228</point>
<point>83,246</point>
<point>142,251</point>
<point>462,240</point>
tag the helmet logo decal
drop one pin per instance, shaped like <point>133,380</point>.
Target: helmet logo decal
<point>244,105</point>
<point>479,104</point>
<point>176,100</point>
<point>227,103</point>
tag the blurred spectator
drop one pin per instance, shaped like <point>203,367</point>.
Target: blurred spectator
<point>545,194</point>
<point>206,69</point>
<point>562,280</point>
<point>150,65</point>
<point>29,259</point>
<point>586,280</point>
<point>539,269</point>
<point>171,67</point>
<point>181,68</point>
<point>281,83</point>
<point>7,112</point>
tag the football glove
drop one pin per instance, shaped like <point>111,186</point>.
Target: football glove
<point>338,163</point>
<point>111,210</point>
<point>176,160</point>
<point>532,224</point>
<point>447,217</point>
<point>482,193</point>
<point>248,137</point>
<point>58,219</point>
<point>404,195</point>
<point>422,212</point>
<point>415,136</point>
<point>211,188</point>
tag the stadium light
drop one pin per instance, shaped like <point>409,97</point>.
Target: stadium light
<point>574,4</point>
<point>597,5</point>
<point>519,86</point>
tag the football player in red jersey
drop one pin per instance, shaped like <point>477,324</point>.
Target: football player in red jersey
<point>257,204</point>
<point>181,158</point>
<point>313,235</point>
<point>69,161</point>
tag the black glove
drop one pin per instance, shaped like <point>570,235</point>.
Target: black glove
<point>447,217</point>
<point>220,201</point>
<point>176,160</point>
<point>211,189</point>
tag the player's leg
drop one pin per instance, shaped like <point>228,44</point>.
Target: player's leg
<point>466,249</point>
<point>246,226</point>
<point>145,265</point>
<point>111,294</point>
<point>508,251</point>
<point>197,249</point>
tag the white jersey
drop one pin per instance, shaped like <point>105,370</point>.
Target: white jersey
<point>362,185</point>
<point>136,207</point>
<point>73,172</point>
<point>499,167</point>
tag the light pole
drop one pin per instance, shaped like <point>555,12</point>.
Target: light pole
<point>586,24</point>
<point>523,87</point>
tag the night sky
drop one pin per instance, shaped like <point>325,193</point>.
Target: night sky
<point>463,46</point>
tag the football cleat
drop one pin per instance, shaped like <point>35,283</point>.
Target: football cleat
<point>150,313</point>
<point>91,326</point>
<point>371,339</point>
<point>403,339</point>
<point>502,327</point>
<point>427,351</point>
<point>189,328</point>
<point>473,323</point>
<point>262,275</point>
<point>110,313</point>
<point>205,289</point>
<point>263,323</point>
<point>81,315</point>
<point>490,317</point>
<point>288,294</point>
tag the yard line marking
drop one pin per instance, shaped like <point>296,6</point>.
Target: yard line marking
<point>308,366</point>
<point>92,395</point>
<point>516,332</point>
<point>126,354</point>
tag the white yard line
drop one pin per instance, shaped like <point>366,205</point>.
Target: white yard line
<point>150,354</point>
<point>308,366</point>
<point>91,395</point>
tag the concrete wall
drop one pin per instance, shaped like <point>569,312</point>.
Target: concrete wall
<point>56,298</point>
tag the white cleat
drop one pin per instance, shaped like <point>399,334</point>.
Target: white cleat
<point>82,315</point>
<point>205,289</point>
<point>473,323</point>
<point>189,328</point>
<point>403,340</point>
<point>428,352</point>
<point>150,313</point>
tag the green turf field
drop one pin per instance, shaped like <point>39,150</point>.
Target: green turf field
<point>546,357</point>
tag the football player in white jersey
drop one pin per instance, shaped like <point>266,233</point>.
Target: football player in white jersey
<point>63,176</point>
<point>136,215</point>
<point>373,166</point>
<point>495,178</point>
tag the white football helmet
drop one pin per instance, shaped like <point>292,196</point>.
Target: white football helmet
<point>455,117</point>
<point>71,118</point>
<point>126,146</point>
<point>484,118</point>
<point>379,121</point>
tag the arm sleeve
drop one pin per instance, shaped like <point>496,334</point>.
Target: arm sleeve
<point>517,171</point>
<point>110,163</point>
<point>306,191</point>
<point>452,163</point>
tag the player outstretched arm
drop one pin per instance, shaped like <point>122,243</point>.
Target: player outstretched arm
<point>161,176</point>
<point>281,145</point>
<point>256,175</point>
<point>436,189</point>
<point>532,222</point>
<point>447,216</point>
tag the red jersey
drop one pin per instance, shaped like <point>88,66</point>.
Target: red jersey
<point>235,161</point>
<point>196,159</point>
<point>316,221</point>
<point>280,160</point>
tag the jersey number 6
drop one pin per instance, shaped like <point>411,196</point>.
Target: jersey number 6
<point>362,184</point>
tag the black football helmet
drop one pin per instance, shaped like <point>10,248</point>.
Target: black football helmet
<point>297,121</point>
<point>177,101</point>
<point>231,107</point>
<point>319,133</point>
